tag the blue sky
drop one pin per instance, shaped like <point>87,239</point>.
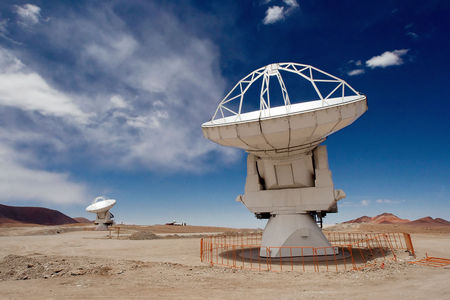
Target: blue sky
<point>107,98</point>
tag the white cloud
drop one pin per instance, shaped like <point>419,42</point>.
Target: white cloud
<point>4,32</point>
<point>367,202</point>
<point>153,121</point>
<point>19,182</point>
<point>277,13</point>
<point>387,201</point>
<point>27,90</point>
<point>388,58</point>
<point>117,101</point>
<point>273,14</point>
<point>412,35</point>
<point>291,3</point>
<point>3,26</point>
<point>356,72</point>
<point>111,50</point>
<point>380,201</point>
<point>29,13</point>
<point>355,204</point>
<point>146,98</point>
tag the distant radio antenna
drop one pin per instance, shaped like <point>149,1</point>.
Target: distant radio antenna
<point>101,207</point>
<point>288,179</point>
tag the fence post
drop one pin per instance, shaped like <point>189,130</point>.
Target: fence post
<point>268,259</point>
<point>201,249</point>
<point>409,244</point>
<point>350,250</point>
<point>211,257</point>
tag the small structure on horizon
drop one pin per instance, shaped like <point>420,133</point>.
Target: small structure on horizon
<point>101,206</point>
<point>175,223</point>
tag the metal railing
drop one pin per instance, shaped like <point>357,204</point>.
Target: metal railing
<point>432,261</point>
<point>349,251</point>
<point>111,229</point>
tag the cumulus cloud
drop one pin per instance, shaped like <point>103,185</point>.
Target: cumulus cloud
<point>356,72</point>
<point>20,182</point>
<point>273,14</point>
<point>28,13</point>
<point>388,58</point>
<point>277,13</point>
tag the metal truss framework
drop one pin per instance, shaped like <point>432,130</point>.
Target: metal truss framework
<point>304,71</point>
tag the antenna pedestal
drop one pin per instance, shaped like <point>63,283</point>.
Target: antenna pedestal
<point>101,227</point>
<point>290,231</point>
<point>288,191</point>
<point>103,220</point>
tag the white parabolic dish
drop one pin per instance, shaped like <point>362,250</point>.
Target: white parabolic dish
<point>299,127</point>
<point>101,206</point>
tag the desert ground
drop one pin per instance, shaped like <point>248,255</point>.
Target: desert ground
<point>76,262</point>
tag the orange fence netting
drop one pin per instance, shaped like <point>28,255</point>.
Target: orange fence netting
<point>349,251</point>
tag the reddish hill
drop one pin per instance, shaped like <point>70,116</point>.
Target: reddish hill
<point>388,218</point>
<point>7,220</point>
<point>385,218</point>
<point>430,221</point>
<point>82,220</point>
<point>363,219</point>
<point>33,215</point>
<point>442,221</point>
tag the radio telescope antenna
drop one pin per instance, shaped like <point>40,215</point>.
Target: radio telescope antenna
<point>288,179</point>
<point>101,207</point>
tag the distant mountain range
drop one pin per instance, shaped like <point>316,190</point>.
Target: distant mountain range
<point>45,216</point>
<point>388,218</point>
<point>35,215</point>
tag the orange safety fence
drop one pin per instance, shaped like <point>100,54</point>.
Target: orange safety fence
<point>432,261</point>
<point>349,251</point>
<point>113,228</point>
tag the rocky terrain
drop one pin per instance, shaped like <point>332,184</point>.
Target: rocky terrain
<point>162,262</point>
